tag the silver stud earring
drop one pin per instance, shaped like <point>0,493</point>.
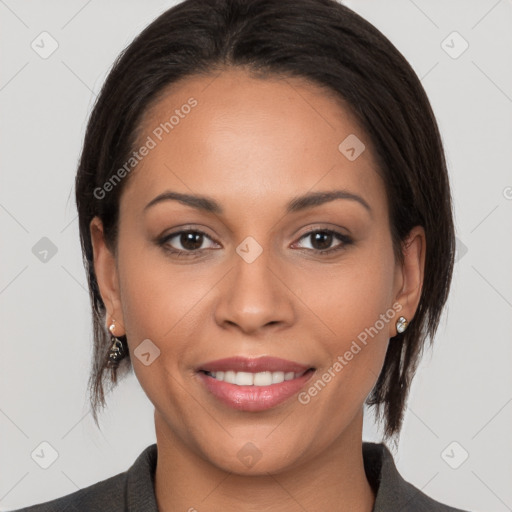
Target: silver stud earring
<point>401,324</point>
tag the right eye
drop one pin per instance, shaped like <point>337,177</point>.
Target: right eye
<point>190,240</point>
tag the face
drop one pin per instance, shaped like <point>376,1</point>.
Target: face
<point>312,282</point>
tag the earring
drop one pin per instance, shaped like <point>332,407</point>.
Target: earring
<point>117,350</point>
<point>401,324</point>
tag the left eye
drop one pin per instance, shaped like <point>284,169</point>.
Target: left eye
<point>324,238</point>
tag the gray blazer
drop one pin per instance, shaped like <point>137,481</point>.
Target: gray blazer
<point>133,490</point>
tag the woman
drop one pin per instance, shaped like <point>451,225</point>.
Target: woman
<point>266,223</point>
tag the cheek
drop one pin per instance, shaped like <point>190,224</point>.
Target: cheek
<point>352,303</point>
<point>157,296</point>
<point>162,302</point>
<point>350,296</point>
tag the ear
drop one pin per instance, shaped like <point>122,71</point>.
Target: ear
<point>409,276</point>
<point>107,276</point>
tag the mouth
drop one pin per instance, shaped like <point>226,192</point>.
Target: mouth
<point>253,385</point>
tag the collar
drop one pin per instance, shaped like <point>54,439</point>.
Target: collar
<point>392,492</point>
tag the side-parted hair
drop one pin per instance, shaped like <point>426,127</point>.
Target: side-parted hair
<point>330,45</point>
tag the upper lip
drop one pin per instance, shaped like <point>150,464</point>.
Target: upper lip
<point>258,364</point>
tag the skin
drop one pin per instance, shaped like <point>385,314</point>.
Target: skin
<point>252,144</point>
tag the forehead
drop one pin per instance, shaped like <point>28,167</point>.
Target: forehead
<point>252,142</point>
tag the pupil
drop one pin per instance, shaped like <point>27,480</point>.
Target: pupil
<point>187,240</point>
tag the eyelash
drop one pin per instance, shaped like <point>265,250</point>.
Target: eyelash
<point>346,240</point>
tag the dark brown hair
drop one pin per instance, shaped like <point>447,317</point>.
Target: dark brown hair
<point>330,45</point>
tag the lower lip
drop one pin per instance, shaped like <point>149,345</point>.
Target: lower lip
<point>254,398</point>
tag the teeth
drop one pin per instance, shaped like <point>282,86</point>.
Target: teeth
<point>253,379</point>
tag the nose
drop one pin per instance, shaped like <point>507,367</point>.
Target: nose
<point>255,296</point>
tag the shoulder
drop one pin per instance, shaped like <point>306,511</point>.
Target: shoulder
<point>104,495</point>
<point>131,490</point>
<point>392,491</point>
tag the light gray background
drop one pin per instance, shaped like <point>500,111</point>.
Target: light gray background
<point>462,391</point>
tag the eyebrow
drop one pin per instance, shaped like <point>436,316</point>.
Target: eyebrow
<point>296,204</point>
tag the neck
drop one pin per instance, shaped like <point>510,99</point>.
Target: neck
<point>333,480</point>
